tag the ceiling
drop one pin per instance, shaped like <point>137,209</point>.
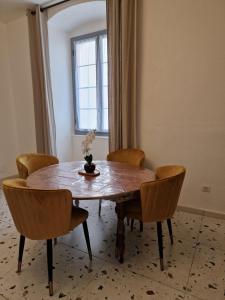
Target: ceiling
<point>78,15</point>
<point>14,9</point>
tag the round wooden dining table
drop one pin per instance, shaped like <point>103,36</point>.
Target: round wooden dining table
<point>116,182</point>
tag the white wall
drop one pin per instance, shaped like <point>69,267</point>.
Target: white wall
<point>8,140</point>
<point>182,93</point>
<point>60,62</point>
<point>99,148</point>
<point>20,73</point>
<point>88,28</point>
<point>57,9</point>
<point>17,128</point>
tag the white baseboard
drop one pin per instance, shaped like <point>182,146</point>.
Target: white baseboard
<point>202,212</point>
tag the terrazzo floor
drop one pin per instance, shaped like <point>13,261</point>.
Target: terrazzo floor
<point>195,264</point>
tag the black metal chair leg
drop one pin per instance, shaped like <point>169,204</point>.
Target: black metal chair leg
<point>86,234</point>
<point>77,203</point>
<point>99,207</point>
<point>128,221</point>
<point>160,243</point>
<point>170,230</point>
<point>20,257</point>
<point>132,225</point>
<point>50,266</point>
<point>141,226</point>
<point>117,243</point>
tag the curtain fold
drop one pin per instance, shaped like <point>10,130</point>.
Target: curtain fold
<point>122,52</point>
<point>42,90</point>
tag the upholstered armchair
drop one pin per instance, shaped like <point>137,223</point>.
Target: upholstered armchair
<point>158,201</point>
<point>30,162</point>
<point>133,157</point>
<point>43,215</point>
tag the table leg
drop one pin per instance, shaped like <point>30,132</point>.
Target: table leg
<point>120,239</point>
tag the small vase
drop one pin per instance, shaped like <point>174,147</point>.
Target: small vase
<point>89,167</point>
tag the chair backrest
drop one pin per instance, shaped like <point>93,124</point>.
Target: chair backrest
<point>30,162</point>
<point>159,198</point>
<point>134,157</point>
<point>38,214</point>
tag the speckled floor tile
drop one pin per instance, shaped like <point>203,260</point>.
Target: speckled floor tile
<point>108,207</point>
<point>177,262</point>
<point>5,215</point>
<point>117,283</point>
<point>190,297</point>
<point>72,272</point>
<point>207,276</point>
<point>186,226</point>
<point>102,236</point>
<point>147,239</point>
<point>212,233</point>
<point>26,285</point>
<point>9,247</point>
<point>198,250</point>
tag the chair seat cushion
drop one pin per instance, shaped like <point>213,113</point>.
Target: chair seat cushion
<point>133,209</point>
<point>79,215</point>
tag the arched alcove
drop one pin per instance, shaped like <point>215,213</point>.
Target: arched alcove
<point>59,8</point>
<point>76,18</point>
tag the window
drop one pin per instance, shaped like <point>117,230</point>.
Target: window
<point>90,82</point>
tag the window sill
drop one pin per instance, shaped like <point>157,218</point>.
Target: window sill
<point>104,137</point>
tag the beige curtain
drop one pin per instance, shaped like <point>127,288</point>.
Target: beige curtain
<point>122,35</point>
<point>43,101</point>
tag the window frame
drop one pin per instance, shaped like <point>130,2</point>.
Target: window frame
<point>99,87</point>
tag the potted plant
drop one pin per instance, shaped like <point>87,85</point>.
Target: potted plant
<point>89,166</point>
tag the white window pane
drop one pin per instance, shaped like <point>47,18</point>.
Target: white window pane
<point>92,52</point>
<point>88,119</point>
<point>87,76</point>
<point>87,98</point>
<point>105,120</point>
<point>83,77</point>
<point>81,54</point>
<point>83,119</point>
<point>86,52</point>
<point>92,98</point>
<point>92,76</point>
<point>105,97</point>
<point>83,98</point>
<point>92,118</point>
<point>104,49</point>
<point>88,110</point>
<point>105,74</point>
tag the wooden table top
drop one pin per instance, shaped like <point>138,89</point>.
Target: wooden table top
<point>115,179</point>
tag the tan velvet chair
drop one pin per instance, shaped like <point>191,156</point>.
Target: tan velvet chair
<point>43,215</point>
<point>133,157</point>
<point>158,201</point>
<point>30,162</point>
